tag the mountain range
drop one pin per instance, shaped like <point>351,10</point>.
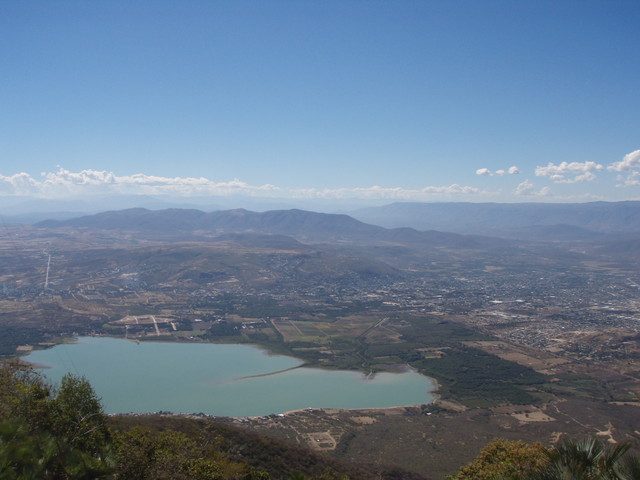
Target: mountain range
<point>613,233</point>
<point>299,224</point>
<point>507,219</point>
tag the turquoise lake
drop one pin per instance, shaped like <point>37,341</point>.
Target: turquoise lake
<point>212,379</point>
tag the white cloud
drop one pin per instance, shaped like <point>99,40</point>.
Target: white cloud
<point>85,177</point>
<point>527,188</point>
<point>511,171</point>
<point>565,167</point>
<point>582,171</point>
<point>92,182</point>
<point>585,177</point>
<point>18,184</point>
<point>629,162</point>
<point>631,180</point>
<point>64,183</point>
<point>524,188</point>
<point>377,192</point>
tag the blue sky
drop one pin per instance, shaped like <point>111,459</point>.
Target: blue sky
<point>376,100</point>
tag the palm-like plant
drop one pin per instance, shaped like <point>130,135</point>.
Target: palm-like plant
<point>629,468</point>
<point>586,459</point>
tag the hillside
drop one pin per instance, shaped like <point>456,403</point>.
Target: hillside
<point>300,224</point>
<point>500,218</point>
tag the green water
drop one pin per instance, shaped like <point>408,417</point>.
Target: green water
<point>210,378</point>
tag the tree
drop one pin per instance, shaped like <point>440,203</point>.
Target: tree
<point>26,455</point>
<point>51,434</point>
<point>587,459</point>
<point>503,459</point>
<point>76,414</point>
<point>172,455</point>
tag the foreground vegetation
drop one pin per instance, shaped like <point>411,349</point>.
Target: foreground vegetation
<point>587,459</point>
<point>62,433</point>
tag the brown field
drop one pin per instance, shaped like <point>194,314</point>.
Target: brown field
<point>433,445</point>
<point>352,326</point>
<point>540,361</point>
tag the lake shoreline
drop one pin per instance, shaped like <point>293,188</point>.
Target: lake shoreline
<point>185,377</point>
<point>392,368</point>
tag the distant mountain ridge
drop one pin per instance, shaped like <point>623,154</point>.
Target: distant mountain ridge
<point>499,218</point>
<point>227,221</point>
<point>398,248</point>
<point>299,224</point>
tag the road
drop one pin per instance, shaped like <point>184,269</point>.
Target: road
<point>155,324</point>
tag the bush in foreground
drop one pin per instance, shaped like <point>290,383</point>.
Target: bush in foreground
<point>587,459</point>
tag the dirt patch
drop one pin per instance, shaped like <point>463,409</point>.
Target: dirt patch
<point>363,420</point>
<point>541,362</point>
<point>536,416</point>
<point>607,433</point>
<point>524,413</point>
<point>320,441</point>
<point>492,268</point>
<point>451,405</point>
